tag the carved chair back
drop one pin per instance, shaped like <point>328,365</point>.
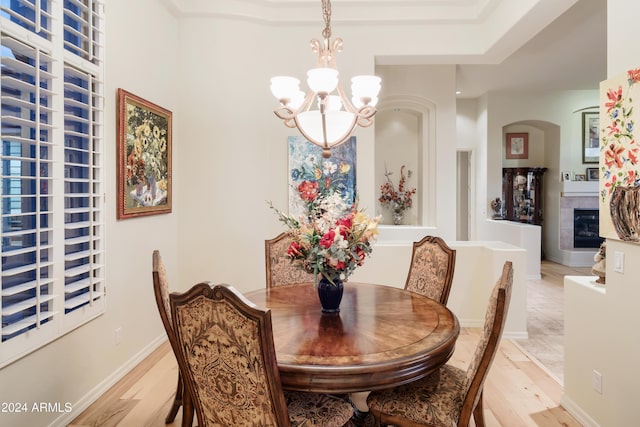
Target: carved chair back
<point>228,357</point>
<point>161,292</point>
<point>485,352</point>
<point>279,269</point>
<point>431,269</point>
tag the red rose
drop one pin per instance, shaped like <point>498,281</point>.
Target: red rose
<point>294,250</point>
<point>346,222</point>
<point>308,190</point>
<point>327,239</point>
<point>360,253</point>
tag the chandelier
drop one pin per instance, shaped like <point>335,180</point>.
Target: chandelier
<point>336,117</point>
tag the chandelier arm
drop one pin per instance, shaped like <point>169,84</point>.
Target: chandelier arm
<point>336,46</point>
<point>365,116</point>
<point>286,113</point>
<point>306,104</point>
<point>345,100</point>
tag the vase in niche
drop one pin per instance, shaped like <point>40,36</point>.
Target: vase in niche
<point>398,213</point>
<point>330,295</point>
<point>398,217</point>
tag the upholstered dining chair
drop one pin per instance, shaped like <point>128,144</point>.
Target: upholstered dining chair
<point>278,265</point>
<point>161,291</point>
<point>449,396</point>
<point>431,269</point>
<point>229,363</point>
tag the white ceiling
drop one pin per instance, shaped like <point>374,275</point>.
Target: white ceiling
<point>504,45</point>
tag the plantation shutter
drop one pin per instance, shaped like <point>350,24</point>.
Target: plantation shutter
<point>52,198</point>
<point>82,29</point>
<point>83,215</point>
<point>27,291</point>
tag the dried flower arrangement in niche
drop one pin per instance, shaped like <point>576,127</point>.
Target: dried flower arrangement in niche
<point>397,200</point>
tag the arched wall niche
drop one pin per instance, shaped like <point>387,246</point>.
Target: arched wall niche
<point>405,135</point>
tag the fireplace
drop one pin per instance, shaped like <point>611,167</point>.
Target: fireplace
<point>586,228</point>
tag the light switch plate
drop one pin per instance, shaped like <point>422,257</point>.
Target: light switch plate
<point>618,262</point>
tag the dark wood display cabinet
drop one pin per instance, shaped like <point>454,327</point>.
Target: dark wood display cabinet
<point>522,193</point>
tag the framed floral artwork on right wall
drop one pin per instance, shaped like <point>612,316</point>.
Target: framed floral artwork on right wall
<point>619,171</point>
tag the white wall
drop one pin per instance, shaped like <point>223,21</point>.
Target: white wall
<point>78,366</point>
<point>525,236</point>
<point>601,335</point>
<point>611,346</point>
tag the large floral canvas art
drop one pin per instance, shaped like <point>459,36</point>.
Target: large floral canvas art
<point>307,168</point>
<point>619,150</point>
<point>144,157</point>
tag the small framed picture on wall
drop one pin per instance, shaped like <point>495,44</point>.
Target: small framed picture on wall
<point>590,132</point>
<point>517,146</point>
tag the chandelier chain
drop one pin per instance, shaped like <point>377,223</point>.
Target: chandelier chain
<point>326,14</point>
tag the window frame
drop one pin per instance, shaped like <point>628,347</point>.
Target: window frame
<point>68,185</point>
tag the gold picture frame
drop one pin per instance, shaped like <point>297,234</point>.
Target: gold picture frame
<point>144,157</point>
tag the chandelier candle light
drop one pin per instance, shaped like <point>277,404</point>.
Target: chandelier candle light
<point>336,117</point>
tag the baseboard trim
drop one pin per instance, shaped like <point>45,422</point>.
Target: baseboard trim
<point>85,401</point>
<point>506,335</point>
<point>577,412</point>
<point>479,323</point>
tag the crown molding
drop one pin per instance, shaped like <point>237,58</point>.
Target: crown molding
<point>344,11</point>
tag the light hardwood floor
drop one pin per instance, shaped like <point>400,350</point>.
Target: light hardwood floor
<point>518,391</point>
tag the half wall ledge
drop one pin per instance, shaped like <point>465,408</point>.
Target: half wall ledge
<point>478,267</point>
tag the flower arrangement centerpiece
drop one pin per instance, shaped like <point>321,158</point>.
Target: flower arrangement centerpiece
<point>330,239</point>
<point>397,200</point>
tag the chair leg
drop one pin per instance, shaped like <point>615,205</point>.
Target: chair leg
<point>177,402</point>
<point>478,412</point>
<point>187,409</point>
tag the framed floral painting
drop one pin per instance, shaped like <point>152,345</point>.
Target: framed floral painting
<point>309,171</point>
<point>144,157</point>
<point>619,169</point>
<point>517,146</point>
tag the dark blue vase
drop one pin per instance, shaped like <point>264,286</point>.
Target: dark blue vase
<point>330,295</point>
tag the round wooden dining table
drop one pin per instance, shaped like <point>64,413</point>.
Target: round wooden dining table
<point>382,337</point>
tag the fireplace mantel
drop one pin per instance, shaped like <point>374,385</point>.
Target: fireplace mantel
<point>579,188</point>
